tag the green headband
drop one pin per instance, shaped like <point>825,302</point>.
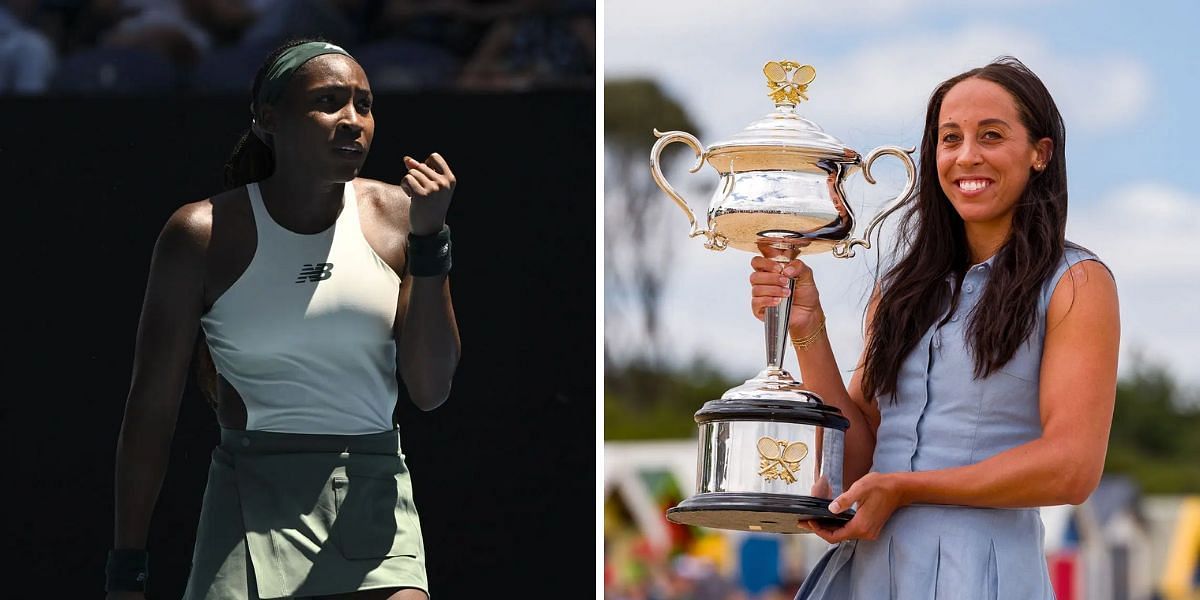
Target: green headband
<point>281,71</point>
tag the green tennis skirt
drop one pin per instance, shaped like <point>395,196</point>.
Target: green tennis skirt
<point>297,515</point>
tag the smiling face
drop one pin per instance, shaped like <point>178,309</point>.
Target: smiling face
<point>984,153</point>
<point>323,125</point>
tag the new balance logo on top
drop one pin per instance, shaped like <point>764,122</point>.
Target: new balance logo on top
<point>314,273</point>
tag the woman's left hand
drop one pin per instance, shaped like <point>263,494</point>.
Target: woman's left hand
<point>878,496</point>
<point>430,185</point>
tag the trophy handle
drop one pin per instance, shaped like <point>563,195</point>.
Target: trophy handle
<point>845,248</point>
<point>656,170</point>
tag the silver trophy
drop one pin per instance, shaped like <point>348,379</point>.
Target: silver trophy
<point>770,451</point>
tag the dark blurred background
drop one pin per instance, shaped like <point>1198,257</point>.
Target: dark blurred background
<point>98,149</point>
<point>208,46</point>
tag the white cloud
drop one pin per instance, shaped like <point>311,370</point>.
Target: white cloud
<point>1146,232</point>
<point>878,90</point>
<point>706,23</point>
<point>890,82</point>
<point>702,22</point>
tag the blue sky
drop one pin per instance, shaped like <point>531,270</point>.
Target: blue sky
<point>1126,76</point>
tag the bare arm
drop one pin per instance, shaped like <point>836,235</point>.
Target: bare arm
<point>166,334</point>
<point>426,339</point>
<point>821,374</point>
<point>1063,465</point>
<point>427,344</point>
<point>1076,396</point>
<point>818,367</point>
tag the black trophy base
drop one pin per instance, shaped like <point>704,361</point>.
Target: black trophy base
<point>744,511</point>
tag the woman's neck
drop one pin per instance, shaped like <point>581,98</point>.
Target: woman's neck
<point>985,239</point>
<point>302,204</point>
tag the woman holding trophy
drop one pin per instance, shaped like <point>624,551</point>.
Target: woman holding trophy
<point>988,375</point>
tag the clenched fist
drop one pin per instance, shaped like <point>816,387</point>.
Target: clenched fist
<point>429,185</point>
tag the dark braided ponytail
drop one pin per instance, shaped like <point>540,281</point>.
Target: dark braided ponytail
<point>252,159</point>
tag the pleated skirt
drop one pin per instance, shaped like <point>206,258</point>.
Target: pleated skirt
<point>931,552</point>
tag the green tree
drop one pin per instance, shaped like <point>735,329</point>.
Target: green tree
<point>1156,432</point>
<point>638,240</point>
<point>644,401</point>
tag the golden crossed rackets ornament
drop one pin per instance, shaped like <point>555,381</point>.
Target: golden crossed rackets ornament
<point>778,459</point>
<point>784,89</point>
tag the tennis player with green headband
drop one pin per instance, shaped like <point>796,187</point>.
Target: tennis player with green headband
<point>303,295</point>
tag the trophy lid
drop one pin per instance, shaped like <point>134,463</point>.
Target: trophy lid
<point>781,139</point>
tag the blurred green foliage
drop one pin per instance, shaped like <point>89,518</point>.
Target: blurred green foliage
<point>633,108</point>
<point>1155,435</point>
<point>1156,432</point>
<point>644,401</point>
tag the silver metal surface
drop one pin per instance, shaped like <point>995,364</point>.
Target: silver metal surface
<point>730,461</point>
<point>845,249</point>
<point>656,171</point>
<point>780,194</point>
<point>804,207</point>
<point>773,382</point>
<point>781,130</point>
<point>781,178</point>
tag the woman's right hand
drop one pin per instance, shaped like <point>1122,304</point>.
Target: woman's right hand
<point>768,286</point>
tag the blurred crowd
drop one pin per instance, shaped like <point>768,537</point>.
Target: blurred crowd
<point>167,46</point>
<point>635,570</point>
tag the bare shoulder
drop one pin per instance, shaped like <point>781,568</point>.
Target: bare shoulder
<point>388,202</point>
<point>1086,290</point>
<point>188,229</point>
<point>1086,277</point>
<point>188,232</point>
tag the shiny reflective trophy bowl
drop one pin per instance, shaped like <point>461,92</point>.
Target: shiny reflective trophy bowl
<point>770,451</point>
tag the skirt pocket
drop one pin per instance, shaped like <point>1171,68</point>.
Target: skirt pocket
<point>375,517</point>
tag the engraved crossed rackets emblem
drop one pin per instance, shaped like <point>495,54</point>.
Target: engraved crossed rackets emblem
<point>778,459</point>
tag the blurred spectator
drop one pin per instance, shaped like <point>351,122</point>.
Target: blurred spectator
<point>76,24</point>
<point>399,64</point>
<point>454,25</point>
<point>110,46</point>
<point>225,21</point>
<point>340,21</point>
<point>701,580</point>
<point>168,28</point>
<point>547,42</point>
<point>416,44</point>
<point>229,69</point>
<point>27,56</point>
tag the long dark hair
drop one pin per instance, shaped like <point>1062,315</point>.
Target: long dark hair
<point>252,160</point>
<point>931,236</point>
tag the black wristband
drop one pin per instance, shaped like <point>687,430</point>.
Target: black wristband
<point>429,255</point>
<point>126,571</point>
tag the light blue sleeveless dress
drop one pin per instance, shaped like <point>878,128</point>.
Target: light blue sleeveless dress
<point>944,418</point>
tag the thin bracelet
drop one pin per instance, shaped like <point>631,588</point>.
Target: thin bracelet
<point>808,340</point>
